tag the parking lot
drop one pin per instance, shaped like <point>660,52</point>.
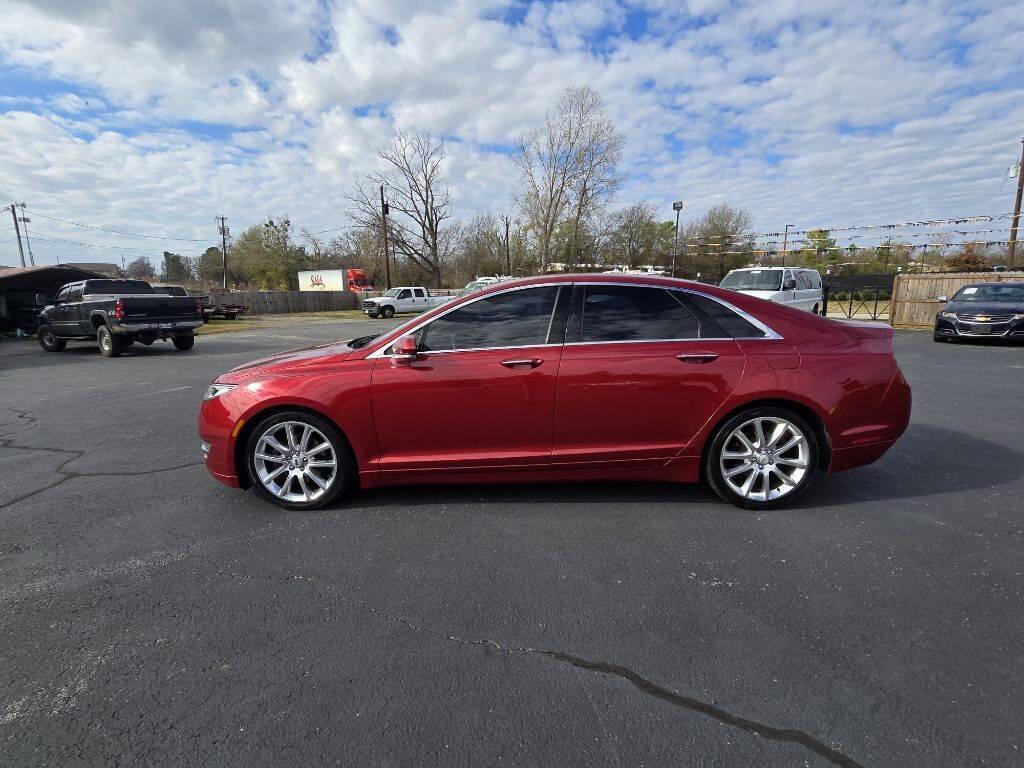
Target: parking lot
<point>153,616</point>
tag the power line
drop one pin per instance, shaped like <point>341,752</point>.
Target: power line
<point>140,251</point>
<point>118,231</point>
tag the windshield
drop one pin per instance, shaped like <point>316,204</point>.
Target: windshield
<point>391,293</point>
<point>1013,292</point>
<point>361,281</point>
<point>753,280</point>
<point>122,287</point>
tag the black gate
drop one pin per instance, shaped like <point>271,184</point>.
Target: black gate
<point>867,297</point>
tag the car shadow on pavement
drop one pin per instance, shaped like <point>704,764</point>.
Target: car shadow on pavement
<point>921,464</point>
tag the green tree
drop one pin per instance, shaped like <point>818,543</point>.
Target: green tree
<point>140,269</point>
<point>211,267</point>
<point>717,242</point>
<point>265,257</point>
<point>177,269</point>
<point>819,251</point>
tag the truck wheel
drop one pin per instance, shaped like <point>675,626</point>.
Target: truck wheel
<point>48,341</point>
<point>373,315</point>
<point>111,344</point>
<point>184,341</point>
<point>388,312</point>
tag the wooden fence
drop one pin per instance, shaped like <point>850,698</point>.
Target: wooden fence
<point>915,298</point>
<point>282,302</point>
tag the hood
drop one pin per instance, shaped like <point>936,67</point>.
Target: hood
<point>293,360</point>
<point>985,307</point>
<point>766,295</point>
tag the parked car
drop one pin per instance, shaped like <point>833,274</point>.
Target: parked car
<point>404,299</point>
<point>982,311</point>
<point>117,313</point>
<point>656,379</point>
<point>798,288</point>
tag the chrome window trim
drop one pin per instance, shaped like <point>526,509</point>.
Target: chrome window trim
<point>769,333</point>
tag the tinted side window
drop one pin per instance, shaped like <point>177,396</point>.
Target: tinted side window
<point>406,294</point>
<point>814,279</point>
<point>632,313</point>
<point>62,295</point>
<point>513,319</point>
<point>727,320</point>
<point>418,292</point>
<point>802,281</point>
<point>75,294</point>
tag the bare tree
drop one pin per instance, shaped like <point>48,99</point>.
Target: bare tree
<point>569,164</point>
<point>634,239</point>
<point>418,196</point>
<point>719,240</point>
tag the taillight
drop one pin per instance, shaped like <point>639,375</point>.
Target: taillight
<point>119,309</point>
<point>199,308</point>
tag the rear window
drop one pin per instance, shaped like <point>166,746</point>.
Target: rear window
<point>117,286</point>
<point>727,320</point>
<point>171,290</point>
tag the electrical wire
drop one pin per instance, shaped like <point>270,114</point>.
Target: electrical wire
<point>119,232</point>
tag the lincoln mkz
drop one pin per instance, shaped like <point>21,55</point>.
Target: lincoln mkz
<point>566,378</point>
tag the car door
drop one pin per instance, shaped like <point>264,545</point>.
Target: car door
<point>403,302</point>
<point>419,297</point>
<point>73,311</point>
<point>58,311</point>
<point>642,370</point>
<point>481,392</point>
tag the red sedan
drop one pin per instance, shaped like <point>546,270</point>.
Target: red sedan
<point>560,378</point>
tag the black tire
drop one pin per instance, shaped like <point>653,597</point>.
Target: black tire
<point>374,315</point>
<point>387,312</point>
<point>713,462</point>
<point>340,483</point>
<point>817,310</point>
<point>184,341</point>
<point>111,344</point>
<point>48,341</point>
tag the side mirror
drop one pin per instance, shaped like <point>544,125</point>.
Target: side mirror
<point>943,299</point>
<point>405,351</point>
<point>789,285</point>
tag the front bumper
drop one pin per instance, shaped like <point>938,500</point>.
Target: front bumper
<point>946,326</point>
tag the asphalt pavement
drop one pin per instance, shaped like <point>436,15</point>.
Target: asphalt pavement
<point>150,616</point>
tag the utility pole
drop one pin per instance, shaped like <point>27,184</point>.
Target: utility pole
<point>785,244</point>
<point>508,253</point>
<point>677,206</point>
<point>17,231</point>
<point>28,243</point>
<point>384,209</point>
<point>224,231</point>
<point>1011,247</point>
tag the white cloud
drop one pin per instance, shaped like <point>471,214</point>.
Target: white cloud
<point>803,113</point>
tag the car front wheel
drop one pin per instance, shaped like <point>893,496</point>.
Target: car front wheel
<point>762,458</point>
<point>299,461</point>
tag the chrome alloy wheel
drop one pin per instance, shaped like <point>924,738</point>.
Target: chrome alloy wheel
<point>765,458</point>
<point>295,461</point>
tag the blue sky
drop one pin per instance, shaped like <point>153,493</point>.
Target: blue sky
<point>155,117</point>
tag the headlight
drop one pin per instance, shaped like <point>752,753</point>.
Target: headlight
<point>216,390</point>
<point>950,315</point>
<point>1018,317</point>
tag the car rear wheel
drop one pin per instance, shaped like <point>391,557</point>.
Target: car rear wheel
<point>388,312</point>
<point>111,344</point>
<point>762,458</point>
<point>48,341</point>
<point>299,461</point>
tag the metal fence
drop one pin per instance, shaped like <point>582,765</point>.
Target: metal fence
<point>868,297</point>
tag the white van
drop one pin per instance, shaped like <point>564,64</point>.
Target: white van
<point>798,288</point>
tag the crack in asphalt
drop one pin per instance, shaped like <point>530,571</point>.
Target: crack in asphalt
<point>770,732</point>
<point>7,441</point>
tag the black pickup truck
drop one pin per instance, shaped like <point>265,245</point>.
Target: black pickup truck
<point>117,313</point>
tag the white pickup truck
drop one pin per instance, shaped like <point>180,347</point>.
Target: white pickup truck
<point>404,299</point>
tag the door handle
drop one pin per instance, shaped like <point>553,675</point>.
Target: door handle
<point>697,357</point>
<point>530,362</point>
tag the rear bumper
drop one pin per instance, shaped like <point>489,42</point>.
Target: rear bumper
<point>171,326</point>
<point>864,438</point>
